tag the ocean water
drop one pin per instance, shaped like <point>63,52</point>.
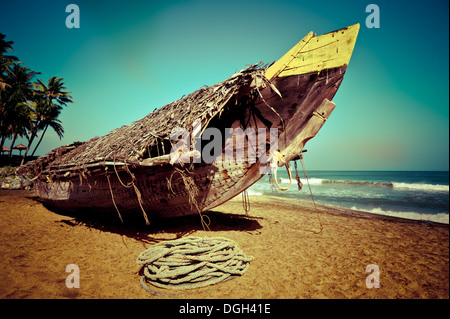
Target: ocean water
<point>419,195</point>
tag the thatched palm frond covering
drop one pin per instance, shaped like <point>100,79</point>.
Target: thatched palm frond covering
<point>132,142</point>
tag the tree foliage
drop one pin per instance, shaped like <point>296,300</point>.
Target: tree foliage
<point>28,107</point>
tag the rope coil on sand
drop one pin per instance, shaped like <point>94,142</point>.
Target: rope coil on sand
<point>191,262</point>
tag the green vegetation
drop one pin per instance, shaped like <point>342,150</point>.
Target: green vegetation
<point>4,171</point>
<point>27,107</point>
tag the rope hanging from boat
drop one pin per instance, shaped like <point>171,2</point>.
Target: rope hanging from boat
<point>282,188</point>
<point>192,262</point>
<point>310,191</point>
<point>128,185</point>
<point>112,195</point>
<point>274,165</point>
<point>270,107</point>
<point>192,190</point>
<point>297,177</point>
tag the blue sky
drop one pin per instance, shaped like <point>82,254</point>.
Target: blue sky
<point>130,57</point>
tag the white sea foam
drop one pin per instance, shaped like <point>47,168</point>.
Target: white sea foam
<point>423,187</point>
<point>394,185</point>
<point>313,181</point>
<point>438,218</point>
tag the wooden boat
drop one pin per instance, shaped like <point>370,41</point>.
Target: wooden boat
<point>134,169</point>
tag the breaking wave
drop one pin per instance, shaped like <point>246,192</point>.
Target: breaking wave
<point>425,187</point>
<point>312,181</point>
<point>394,185</point>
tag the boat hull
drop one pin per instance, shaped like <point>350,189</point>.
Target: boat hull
<point>160,190</point>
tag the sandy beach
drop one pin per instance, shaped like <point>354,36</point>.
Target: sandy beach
<point>291,258</point>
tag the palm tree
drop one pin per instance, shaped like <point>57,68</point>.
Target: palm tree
<point>47,116</point>
<point>16,113</point>
<point>5,45</point>
<point>54,91</point>
<point>5,60</point>
<point>26,107</point>
<point>18,123</point>
<point>49,99</point>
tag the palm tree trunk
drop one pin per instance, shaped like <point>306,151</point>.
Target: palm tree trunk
<point>2,141</point>
<point>12,144</point>
<point>30,141</point>
<point>43,133</point>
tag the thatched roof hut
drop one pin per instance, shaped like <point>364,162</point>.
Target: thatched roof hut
<point>20,147</point>
<point>4,149</point>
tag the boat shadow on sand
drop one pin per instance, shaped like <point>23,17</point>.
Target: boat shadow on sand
<point>134,226</point>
